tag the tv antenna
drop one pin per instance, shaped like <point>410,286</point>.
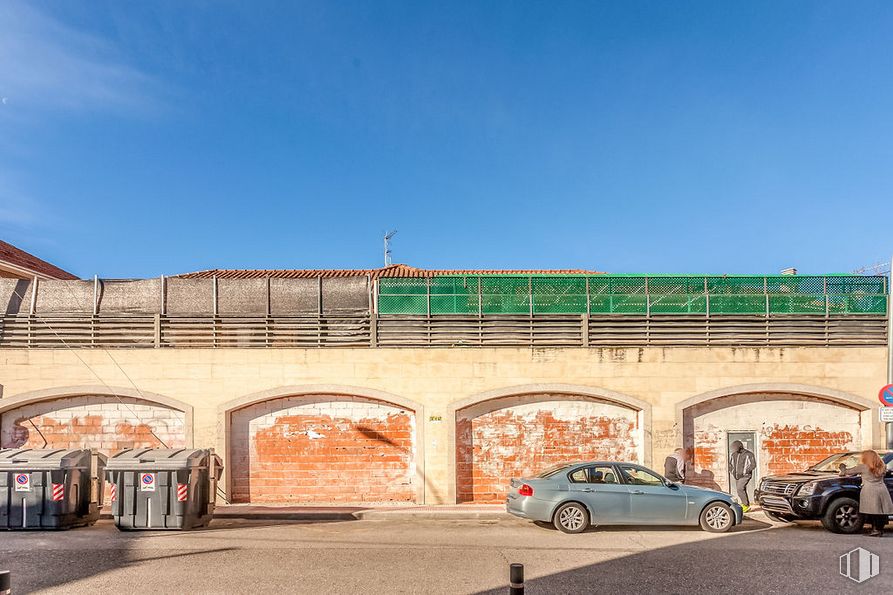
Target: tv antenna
<point>387,246</point>
<point>880,268</point>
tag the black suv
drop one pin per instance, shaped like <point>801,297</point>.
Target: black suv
<point>820,493</point>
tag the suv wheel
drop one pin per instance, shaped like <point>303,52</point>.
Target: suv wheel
<point>842,516</point>
<point>571,518</point>
<point>717,518</point>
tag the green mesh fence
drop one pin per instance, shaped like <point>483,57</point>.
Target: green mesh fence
<point>634,294</point>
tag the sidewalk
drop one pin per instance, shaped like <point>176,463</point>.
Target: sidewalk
<point>446,512</point>
<point>347,513</point>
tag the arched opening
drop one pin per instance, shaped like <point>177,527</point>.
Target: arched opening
<point>523,434</point>
<point>787,431</point>
<point>107,419</point>
<point>323,448</point>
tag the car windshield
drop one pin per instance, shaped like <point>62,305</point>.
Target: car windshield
<point>832,463</point>
<point>554,470</point>
<point>850,459</point>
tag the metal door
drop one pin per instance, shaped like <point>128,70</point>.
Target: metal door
<point>749,440</point>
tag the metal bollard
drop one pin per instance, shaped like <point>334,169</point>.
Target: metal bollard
<point>5,583</point>
<point>516,579</point>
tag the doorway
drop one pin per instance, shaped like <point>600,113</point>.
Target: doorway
<point>749,440</point>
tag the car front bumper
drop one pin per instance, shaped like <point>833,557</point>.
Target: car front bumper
<point>739,513</point>
<point>796,506</point>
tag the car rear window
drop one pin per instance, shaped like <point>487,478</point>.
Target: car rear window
<point>554,470</point>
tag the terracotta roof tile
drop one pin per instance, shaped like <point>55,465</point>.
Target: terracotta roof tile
<point>19,258</point>
<point>394,270</point>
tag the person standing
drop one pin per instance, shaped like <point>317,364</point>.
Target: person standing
<point>742,464</point>
<point>674,466</point>
<point>875,502</point>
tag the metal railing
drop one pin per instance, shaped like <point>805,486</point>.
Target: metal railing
<point>363,330</point>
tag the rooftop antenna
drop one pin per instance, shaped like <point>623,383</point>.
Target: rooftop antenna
<point>387,246</point>
<point>880,268</point>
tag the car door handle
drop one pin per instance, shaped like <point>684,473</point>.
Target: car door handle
<point>637,492</point>
<point>588,490</point>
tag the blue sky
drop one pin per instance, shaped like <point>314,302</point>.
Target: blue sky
<point>139,139</point>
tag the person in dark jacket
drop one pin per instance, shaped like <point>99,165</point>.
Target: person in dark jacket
<point>674,466</point>
<point>742,464</point>
<point>874,498</point>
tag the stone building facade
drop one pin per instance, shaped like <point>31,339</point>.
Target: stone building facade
<point>441,425</point>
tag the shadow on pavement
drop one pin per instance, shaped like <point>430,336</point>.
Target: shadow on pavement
<point>746,561</point>
<point>34,570</point>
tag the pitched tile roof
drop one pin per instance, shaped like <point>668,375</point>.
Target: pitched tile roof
<point>394,270</point>
<point>20,259</point>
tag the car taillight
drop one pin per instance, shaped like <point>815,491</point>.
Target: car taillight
<point>525,490</point>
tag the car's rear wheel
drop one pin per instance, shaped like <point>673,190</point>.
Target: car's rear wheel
<point>571,518</point>
<point>842,516</point>
<point>778,517</point>
<point>717,518</point>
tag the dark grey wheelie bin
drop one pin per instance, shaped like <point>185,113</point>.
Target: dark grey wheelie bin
<point>163,488</point>
<point>50,488</point>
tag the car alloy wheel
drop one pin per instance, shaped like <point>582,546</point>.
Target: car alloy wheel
<point>842,516</point>
<point>846,517</point>
<point>717,518</point>
<point>571,518</point>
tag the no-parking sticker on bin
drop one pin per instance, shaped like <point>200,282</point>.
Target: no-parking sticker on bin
<point>147,482</point>
<point>23,482</point>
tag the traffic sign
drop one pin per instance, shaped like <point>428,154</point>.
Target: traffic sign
<point>147,482</point>
<point>23,482</point>
<point>885,396</point>
<point>885,414</point>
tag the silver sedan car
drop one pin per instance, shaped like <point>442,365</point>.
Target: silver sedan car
<point>576,495</point>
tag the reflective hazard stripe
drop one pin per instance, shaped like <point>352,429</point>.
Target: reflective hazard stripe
<point>58,492</point>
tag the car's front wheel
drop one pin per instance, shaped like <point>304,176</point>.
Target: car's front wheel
<point>571,518</point>
<point>842,516</point>
<point>717,517</point>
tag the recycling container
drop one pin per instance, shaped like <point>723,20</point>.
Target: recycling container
<point>50,488</point>
<point>163,488</point>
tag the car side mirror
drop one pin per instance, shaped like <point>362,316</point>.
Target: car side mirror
<point>672,486</point>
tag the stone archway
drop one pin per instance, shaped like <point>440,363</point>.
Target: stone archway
<point>794,427</point>
<point>520,431</point>
<point>108,419</point>
<point>324,444</point>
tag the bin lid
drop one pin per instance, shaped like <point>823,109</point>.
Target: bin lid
<point>158,458</point>
<point>24,459</point>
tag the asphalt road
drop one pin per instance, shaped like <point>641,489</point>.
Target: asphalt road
<point>442,556</point>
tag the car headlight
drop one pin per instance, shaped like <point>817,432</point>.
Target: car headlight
<point>808,488</point>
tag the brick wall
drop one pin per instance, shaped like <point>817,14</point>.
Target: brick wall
<point>92,421</point>
<point>793,433</point>
<point>522,436</point>
<point>323,448</point>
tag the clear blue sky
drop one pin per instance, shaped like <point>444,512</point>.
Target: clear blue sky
<point>161,137</point>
